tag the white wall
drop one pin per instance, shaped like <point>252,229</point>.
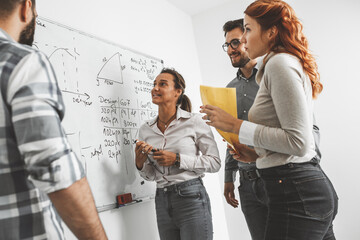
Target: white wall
<point>332,28</point>
<point>159,29</point>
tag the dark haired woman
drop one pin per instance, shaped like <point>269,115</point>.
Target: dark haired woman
<point>177,137</point>
<point>302,201</point>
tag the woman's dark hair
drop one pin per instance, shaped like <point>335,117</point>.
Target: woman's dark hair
<point>183,100</point>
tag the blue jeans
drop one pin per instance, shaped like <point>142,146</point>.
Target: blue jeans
<point>302,202</point>
<point>254,206</point>
<point>183,211</point>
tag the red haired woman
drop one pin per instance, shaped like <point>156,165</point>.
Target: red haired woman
<point>301,199</point>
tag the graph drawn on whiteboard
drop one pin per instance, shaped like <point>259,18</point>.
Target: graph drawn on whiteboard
<point>106,90</point>
<point>67,59</point>
<point>111,72</point>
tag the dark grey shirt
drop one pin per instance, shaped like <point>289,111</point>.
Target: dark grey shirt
<point>246,90</point>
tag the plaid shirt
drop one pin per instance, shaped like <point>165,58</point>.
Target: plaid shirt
<point>35,156</point>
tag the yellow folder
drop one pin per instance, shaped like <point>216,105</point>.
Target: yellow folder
<point>224,98</point>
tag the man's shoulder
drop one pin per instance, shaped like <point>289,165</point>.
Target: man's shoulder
<point>233,83</point>
<point>16,50</point>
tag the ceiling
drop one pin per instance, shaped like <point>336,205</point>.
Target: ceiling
<point>193,7</point>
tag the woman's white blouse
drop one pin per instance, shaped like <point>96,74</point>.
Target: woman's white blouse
<point>187,135</point>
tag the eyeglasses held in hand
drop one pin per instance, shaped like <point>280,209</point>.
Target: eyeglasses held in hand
<point>233,43</point>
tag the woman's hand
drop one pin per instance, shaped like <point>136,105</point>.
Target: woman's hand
<point>142,149</point>
<point>165,158</point>
<point>242,153</point>
<point>220,119</point>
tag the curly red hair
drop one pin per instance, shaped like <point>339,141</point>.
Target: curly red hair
<point>290,38</point>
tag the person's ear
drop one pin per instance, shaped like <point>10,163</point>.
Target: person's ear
<point>178,92</point>
<point>26,11</point>
<point>272,32</point>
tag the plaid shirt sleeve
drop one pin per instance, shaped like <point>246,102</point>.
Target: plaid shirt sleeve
<point>37,110</point>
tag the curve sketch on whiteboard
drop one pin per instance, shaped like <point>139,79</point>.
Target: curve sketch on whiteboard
<point>111,71</point>
<point>66,60</point>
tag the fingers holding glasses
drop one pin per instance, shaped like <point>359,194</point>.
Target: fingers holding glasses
<point>142,148</point>
<point>146,149</point>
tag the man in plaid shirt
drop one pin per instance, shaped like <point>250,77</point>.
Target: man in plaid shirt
<point>38,169</point>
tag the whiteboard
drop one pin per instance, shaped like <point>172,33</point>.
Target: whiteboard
<point>106,90</point>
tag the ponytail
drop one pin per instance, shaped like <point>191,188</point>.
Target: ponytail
<point>184,102</point>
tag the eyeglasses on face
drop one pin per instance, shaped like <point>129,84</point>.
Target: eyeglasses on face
<point>233,43</point>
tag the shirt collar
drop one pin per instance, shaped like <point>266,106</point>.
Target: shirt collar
<point>179,114</point>
<point>5,36</point>
<point>254,71</point>
<point>182,113</point>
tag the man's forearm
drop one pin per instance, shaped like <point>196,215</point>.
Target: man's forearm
<point>76,207</point>
<point>231,167</point>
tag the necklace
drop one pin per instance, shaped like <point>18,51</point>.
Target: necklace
<point>166,123</point>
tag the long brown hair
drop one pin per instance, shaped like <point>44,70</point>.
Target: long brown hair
<point>290,38</point>
<point>179,81</point>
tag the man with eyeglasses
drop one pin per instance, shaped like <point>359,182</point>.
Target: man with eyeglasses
<point>38,169</point>
<point>251,191</point>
